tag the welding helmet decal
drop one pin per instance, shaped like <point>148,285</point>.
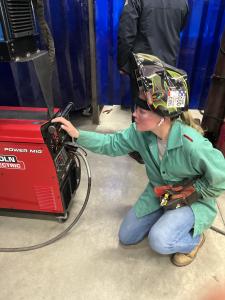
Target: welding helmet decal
<point>166,84</point>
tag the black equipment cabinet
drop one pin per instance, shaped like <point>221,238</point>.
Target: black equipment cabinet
<point>17,29</point>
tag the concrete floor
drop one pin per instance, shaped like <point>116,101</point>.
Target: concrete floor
<point>89,263</point>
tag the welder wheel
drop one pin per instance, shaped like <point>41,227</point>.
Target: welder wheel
<point>63,218</point>
<point>77,164</point>
<point>78,170</point>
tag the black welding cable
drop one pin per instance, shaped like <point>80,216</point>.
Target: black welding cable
<point>46,33</point>
<point>49,42</point>
<point>215,228</point>
<point>62,234</point>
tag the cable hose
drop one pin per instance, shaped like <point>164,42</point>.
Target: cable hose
<point>217,230</point>
<point>48,39</point>
<point>223,221</point>
<point>62,234</point>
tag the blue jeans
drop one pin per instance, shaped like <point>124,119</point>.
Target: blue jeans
<point>168,231</point>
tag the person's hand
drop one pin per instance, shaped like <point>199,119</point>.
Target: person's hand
<point>67,126</point>
<point>216,293</point>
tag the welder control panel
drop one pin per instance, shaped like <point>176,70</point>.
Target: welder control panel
<point>53,135</point>
<point>55,138</point>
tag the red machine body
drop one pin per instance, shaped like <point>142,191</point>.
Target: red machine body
<point>34,176</point>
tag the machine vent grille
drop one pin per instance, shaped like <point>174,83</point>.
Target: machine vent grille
<point>45,197</point>
<point>20,16</point>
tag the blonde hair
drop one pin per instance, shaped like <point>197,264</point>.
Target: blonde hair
<point>187,118</point>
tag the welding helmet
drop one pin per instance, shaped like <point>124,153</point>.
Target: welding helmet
<point>166,84</point>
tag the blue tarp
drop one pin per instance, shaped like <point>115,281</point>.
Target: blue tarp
<point>68,21</point>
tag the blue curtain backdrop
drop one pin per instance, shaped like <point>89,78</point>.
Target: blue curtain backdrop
<point>199,48</point>
<point>68,20</point>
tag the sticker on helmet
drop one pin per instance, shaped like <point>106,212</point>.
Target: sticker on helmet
<point>176,98</point>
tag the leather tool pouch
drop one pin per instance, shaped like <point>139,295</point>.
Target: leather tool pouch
<point>178,202</point>
<point>178,195</point>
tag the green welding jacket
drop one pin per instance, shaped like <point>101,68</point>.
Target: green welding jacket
<point>188,155</point>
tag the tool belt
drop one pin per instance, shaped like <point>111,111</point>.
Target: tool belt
<point>175,196</point>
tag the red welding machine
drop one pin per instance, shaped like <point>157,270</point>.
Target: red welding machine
<point>37,173</point>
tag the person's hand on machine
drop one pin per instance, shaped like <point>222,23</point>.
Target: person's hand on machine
<point>67,126</point>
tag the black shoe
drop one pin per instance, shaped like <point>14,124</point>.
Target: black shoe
<point>87,112</point>
<point>136,156</point>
